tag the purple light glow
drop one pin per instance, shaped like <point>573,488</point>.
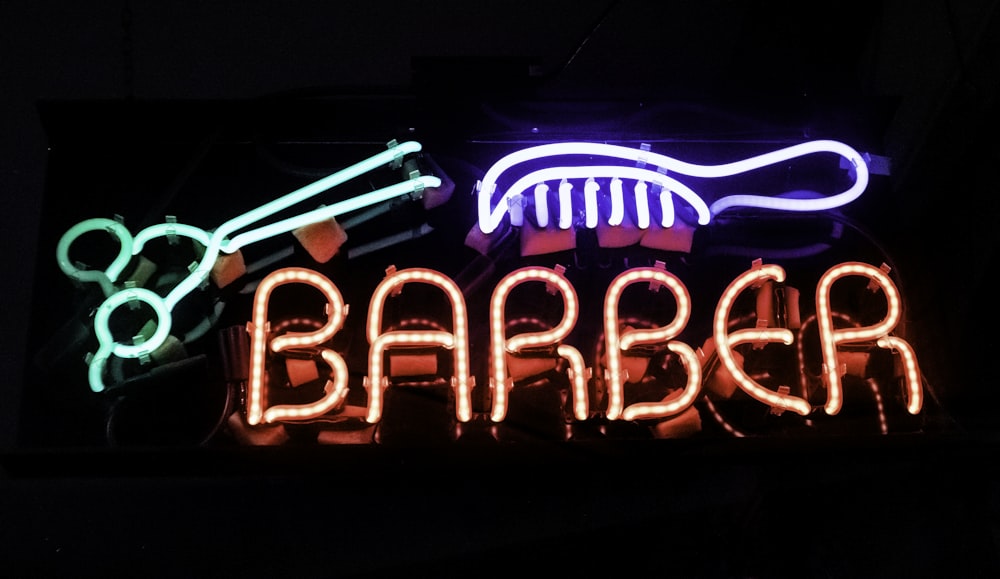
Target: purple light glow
<point>493,208</point>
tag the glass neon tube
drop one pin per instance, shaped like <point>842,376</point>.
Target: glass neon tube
<point>108,345</point>
<point>692,365</point>
<point>667,209</point>
<point>830,338</point>
<point>617,204</point>
<point>334,394</point>
<point>542,205</point>
<point>566,204</point>
<point>458,341</point>
<point>801,352</point>
<point>617,342</point>
<point>491,209</point>
<point>376,382</point>
<point>911,372</point>
<point>532,180</point>
<point>578,376</point>
<point>500,345</point>
<point>217,242</point>
<point>642,205</point>
<point>110,275</point>
<point>726,340</point>
<point>590,189</point>
<point>166,230</point>
<point>259,329</point>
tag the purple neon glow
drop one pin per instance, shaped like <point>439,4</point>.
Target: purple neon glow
<point>491,210</point>
<point>590,189</point>
<point>642,205</point>
<point>542,205</point>
<point>667,208</point>
<point>617,203</point>
<point>532,180</point>
<point>565,205</point>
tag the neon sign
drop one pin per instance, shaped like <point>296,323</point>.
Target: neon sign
<point>505,349</point>
<point>223,240</point>
<point>495,201</point>
<point>589,194</point>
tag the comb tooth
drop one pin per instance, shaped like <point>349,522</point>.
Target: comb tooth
<point>590,190</point>
<point>642,205</point>
<point>617,203</point>
<point>667,208</point>
<point>565,204</point>
<point>542,204</point>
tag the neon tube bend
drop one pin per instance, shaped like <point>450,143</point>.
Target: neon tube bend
<point>489,219</point>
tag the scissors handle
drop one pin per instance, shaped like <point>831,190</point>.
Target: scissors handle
<point>109,276</point>
<point>109,346</point>
<point>393,154</point>
<point>218,241</point>
<point>214,243</point>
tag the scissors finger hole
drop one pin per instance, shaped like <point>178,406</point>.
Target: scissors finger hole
<point>103,237</point>
<point>136,321</point>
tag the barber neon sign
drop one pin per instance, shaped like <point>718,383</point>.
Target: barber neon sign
<point>593,183</point>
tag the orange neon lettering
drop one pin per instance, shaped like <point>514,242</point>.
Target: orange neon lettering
<point>500,345</point>
<point>725,340</point>
<point>878,334</point>
<point>335,390</point>
<point>617,342</point>
<point>457,341</point>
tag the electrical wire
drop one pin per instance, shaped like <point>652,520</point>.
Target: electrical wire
<point>586,38</point>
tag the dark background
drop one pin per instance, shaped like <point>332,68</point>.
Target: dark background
<point>926,507</point>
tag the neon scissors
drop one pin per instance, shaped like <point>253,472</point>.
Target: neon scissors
<point>216,242</point>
